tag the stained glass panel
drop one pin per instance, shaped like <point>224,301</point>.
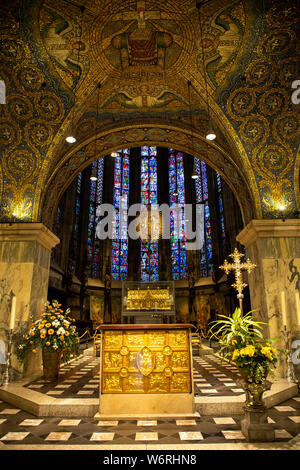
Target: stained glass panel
<point>177,223</point>
<point>119,265</point>
<point>149,249</point>
<point>201,188</point>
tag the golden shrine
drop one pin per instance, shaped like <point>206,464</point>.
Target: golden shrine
<point>143,369</point>
<point>149,299</point>
<point>148,302</point>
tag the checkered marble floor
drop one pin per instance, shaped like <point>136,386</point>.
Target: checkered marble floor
<point>80,378</point>
<point>20,427</point>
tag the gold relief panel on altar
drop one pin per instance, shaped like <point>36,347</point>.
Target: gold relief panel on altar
<point>112,340</point>
<point>178,339</point>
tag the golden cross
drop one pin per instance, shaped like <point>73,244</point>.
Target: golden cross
<point>237,266</point>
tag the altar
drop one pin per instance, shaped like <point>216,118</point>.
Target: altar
<point>148,302</point>
<point>146,370</point>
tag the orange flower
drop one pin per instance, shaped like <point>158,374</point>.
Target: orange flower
<point>34,351</point>
<point>52,318</point>
<point>61,338</point>
<point>32,334</point>
<point>51,331</point>
<point>47,344</point>
<point>48,325</point>
<point>30,342</point>
<point>43,335</point>
<point>66,333</point>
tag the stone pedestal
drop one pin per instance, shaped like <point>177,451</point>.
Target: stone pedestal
<point>25,250</point>
<point>274,246</point>
<point>255,426</point>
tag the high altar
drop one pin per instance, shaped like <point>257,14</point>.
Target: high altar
<point>146,370</point>
<point>148,302</point>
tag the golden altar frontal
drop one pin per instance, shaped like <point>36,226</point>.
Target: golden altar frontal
<point>146,370</point>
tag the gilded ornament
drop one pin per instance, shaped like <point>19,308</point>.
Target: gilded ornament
<point>255,129</point>
<point>11,50</point>
<point>260,73</point>
<point>124,351</point>
<point>10,134</point>
<point>287,126</point>
<point>168,371</point>
<point>123,372</point>
<point>28,77</point>
<point>19,107</point>
<point>287,70</point>
<point>277,42</point>
<point>241,102</point>
<point>38,132</point>
<point>167,351</point>
<point>49,106</point>
<point>21,165</point>
<point>283,14</point>
<point>273,102</point>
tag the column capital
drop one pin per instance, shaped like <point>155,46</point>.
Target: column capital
<point>30,231</point>
<point>268,228</point>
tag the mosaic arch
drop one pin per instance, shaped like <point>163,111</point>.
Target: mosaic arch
<point>250,56</point>
<point>129,137</point>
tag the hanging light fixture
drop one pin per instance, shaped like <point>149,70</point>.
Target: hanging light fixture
<point>114,154</point>
<point>70,138</point>
<point>194,174</point>
<point>94,175</point>
<point>210,135</point>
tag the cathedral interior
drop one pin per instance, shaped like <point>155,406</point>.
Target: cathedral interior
<point>154,103</point>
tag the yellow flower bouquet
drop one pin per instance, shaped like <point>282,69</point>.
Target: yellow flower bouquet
<point>255,361</point>
<point>53,331</point>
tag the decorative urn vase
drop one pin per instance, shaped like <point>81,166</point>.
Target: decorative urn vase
<point>51,363</point>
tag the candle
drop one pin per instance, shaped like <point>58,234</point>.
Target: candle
<point>298,307</point>
<point>12,312</point>
<point>284,320</point>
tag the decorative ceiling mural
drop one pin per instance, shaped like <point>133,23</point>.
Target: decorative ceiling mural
<point>143,53</point>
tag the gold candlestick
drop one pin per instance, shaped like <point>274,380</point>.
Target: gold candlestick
<point>237,266</point>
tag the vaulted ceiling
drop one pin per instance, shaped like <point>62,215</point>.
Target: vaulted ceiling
<point>123,73</point>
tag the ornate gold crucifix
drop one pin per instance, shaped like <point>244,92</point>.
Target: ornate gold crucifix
<point>237,266</point>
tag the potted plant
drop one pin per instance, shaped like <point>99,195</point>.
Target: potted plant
<point>242,342</point>
<point>55,335</point>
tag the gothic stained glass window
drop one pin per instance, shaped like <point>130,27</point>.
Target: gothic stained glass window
<point>221,209</point>
<point>96,189</point>
<point>119,266</point>
<point>149,249</point>
<point>177,219</point>
<point>202,197</point>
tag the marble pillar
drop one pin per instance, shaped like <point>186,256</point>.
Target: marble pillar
<point>274,246</point>
<point>25,250</point>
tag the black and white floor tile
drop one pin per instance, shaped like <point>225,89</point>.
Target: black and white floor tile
<point>80,378</point>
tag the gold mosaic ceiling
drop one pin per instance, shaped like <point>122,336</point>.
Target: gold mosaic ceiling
<point>143,54</point>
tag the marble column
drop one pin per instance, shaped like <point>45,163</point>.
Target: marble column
<point>25,250</point>
<point>274,246</point>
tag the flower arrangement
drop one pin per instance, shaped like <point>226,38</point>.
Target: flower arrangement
<point>242,342</point>
<point>54,331</point>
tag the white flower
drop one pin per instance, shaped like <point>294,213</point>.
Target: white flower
<point>56,323</point>
<point>61,317</point>
<point>55,346</point>
<point>20,346</point>
<point>43,331</point>
<point>61,331</point>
